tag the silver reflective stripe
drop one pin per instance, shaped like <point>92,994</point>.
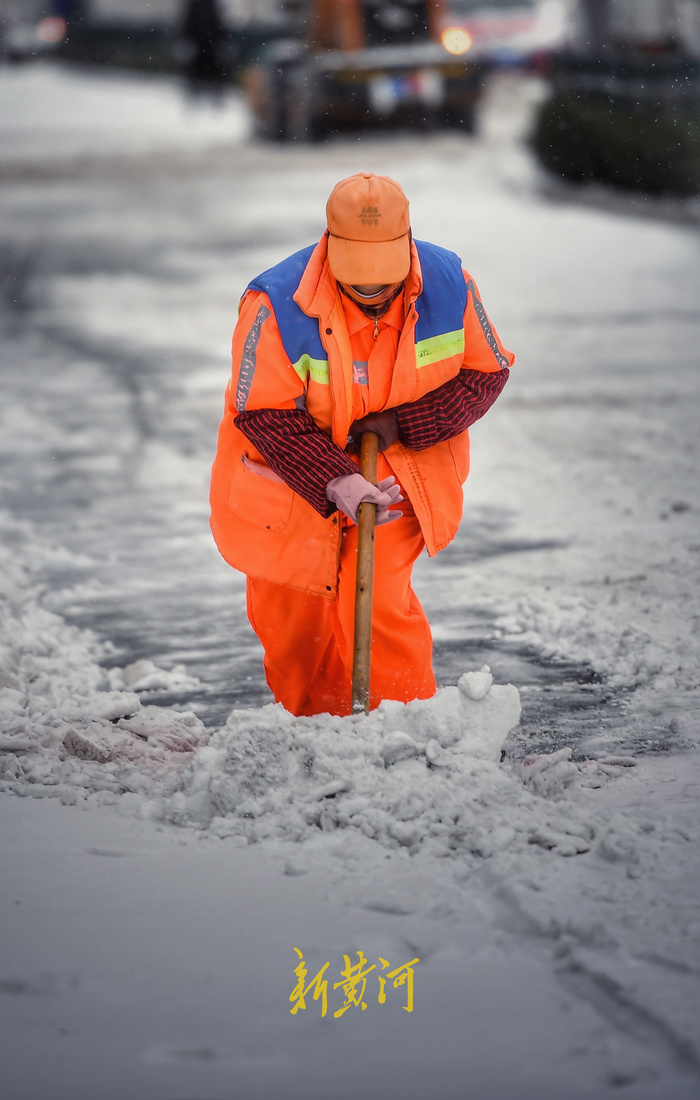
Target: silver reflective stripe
<point>486,326</point>
<point>249,358</point>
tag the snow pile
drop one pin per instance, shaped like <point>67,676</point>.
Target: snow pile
<point>424,775</point>
<point>66,728</point>
<point>661,667</point>
<point>406,775</point>
<point>567,629</point>
<point>145,676</point>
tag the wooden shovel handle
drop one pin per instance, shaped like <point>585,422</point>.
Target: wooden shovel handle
<point>366,517</point>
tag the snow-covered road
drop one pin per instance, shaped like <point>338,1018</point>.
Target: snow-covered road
<point>552,899</point>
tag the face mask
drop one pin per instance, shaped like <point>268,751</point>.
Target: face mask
<point>373,304</point>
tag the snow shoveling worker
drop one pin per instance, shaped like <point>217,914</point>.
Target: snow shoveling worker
<point>368,330</point>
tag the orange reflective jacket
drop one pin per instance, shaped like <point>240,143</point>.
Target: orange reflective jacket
<point>291,348</point>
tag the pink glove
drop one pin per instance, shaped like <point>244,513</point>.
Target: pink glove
<point>350,490</point>
<point>384,424</point>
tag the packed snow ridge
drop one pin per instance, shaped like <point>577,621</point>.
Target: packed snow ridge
<point>427,774</point>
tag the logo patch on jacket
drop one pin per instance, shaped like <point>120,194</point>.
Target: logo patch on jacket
<point>360,373</point>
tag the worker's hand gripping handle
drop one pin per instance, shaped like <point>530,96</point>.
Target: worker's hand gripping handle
<point>365,577</point>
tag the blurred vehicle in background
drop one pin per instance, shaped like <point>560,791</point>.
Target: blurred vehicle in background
<point>513,32</point>
<point>365,63</point>
<point>158,35</point>
<point>146,35</point>
<point>32,28</point>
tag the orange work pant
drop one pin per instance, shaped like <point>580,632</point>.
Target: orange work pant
<point>308,640</point>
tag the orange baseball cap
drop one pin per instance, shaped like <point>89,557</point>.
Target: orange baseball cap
<point>369,230</point>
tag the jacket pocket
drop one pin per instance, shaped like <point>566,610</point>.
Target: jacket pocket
<point>258,499</point>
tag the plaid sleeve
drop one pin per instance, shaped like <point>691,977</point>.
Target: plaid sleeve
<point>450,409</point>
<point>298,451</point>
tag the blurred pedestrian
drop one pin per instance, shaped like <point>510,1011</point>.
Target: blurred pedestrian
<point>368,330</point>
<point>203,34</point>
